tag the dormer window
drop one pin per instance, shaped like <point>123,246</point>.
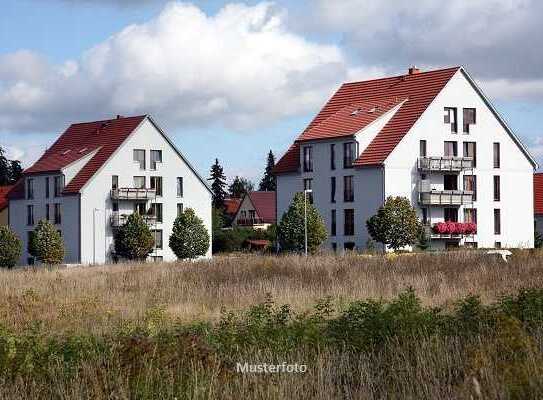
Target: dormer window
<point>450,118</point>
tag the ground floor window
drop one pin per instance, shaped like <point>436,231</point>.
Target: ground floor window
<point>498,245</point>
<point>157,259</point>
<point>349,246</point>
<point>157,235</point>
<point>334,247</point>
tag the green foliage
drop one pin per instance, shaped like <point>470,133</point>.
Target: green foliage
<point>46,244</point>
<point>189,238</point>
<point>10,170</point>
<point>396,223</point>
<point>11,248</point>
<point>230,240</point>
<point>538,240</point>
<point>134,240</point>
<point>268,182</point>
<point>291,228</point>
<point>240,187</point>
<point>218,184</point>
<point>422,240</point>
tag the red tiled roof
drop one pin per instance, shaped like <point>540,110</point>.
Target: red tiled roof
<point>420,89</point>
<point>231,206</point>
<point>264,203</point>
<point>79,140</point>
<point>538,193</point>
<point>4,190</point>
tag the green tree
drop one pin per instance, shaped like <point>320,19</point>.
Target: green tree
<point>46,244</point>
<point>189,238</point>
<point>268,183</point>
<point>240,187</point>
<point>396,223</point>
<point>15,170</point>
<point>134,240</point>
<point>291,228</point>
<point>5,172</point>
<point>422,240</point>
<point>11,248</point>
<point>218,184</point>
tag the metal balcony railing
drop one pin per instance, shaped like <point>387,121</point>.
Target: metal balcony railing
<point>133,194</point>
<point>429,196</point>
<point>249,221</point>
<point>445,164</point>
<point>117,219</point>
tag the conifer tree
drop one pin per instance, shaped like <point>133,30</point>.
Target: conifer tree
<point>268,183</point>
<point>218,185</point>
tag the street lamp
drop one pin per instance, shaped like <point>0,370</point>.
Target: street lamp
<point>306,191</point>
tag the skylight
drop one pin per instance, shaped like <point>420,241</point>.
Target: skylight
<point>357,111</point>
<point>65,152</point>
<point>84,149</point>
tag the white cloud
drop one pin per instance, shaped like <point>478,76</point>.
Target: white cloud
<point>240,68</point>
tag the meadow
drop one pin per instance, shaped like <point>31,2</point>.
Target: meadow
<point>452,325</point>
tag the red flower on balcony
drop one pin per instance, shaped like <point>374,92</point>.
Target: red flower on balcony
<point>455,228</point>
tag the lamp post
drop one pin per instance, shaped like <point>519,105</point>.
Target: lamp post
<point>306,191</point>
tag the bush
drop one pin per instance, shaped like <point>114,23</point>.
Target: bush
<point>189,238</point>
<point>46,244</point>
<point>230,240</point>
<point>11,248</point>
<point>396,223</point>
<point>291,228</point>
<point>134,240</point>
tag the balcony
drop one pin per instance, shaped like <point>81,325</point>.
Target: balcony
<point>249,221</point>
<point>133,194</point>
<point>450,230</point>
<point>432,197</point>
<point>445,164</point>
<point>117,219</point>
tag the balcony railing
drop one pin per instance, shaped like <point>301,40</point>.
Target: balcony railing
<point>445,164</point>
<point>117,219</point>
<point>133,194</point>
<point>249,221</point>
<point>429,196</point>
<point>450,230</point>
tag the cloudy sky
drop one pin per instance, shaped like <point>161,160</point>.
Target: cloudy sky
<point>234,79</point>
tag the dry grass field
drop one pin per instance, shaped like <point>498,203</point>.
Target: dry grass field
<point>93,299</point>
<point>471,328</point>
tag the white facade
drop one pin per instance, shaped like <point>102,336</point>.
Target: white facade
<point>400,175</point>
<point>88,220</point>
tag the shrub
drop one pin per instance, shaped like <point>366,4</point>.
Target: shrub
<point>46,244</point>
<point>291,228</point>
<point>189,238</point>
<point>396,223</point>
<point>10,248</point>
<point>134,240</point>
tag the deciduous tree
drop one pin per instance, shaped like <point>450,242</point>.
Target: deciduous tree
<point>189,238</point>
<point>46,244</point>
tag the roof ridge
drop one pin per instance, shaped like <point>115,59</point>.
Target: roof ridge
<point>384,78</point>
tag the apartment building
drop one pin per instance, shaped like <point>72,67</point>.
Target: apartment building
<point>95,175</point>
<point>432,137</point>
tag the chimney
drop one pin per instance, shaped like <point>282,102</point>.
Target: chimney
<point>413,70</point>
<point>119,116</point>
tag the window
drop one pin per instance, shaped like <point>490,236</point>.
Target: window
<point>156,211</point>
<point>139,182</point>
<point>179,209</point>
<point>332,156</point>
<point>498,245</point>
<point>349,154</point>
<point>496,147</point>
<point>471,245</point>
<point>450,214</point>
<point>140,208</point>
<point>156,183</point>
<point>422,148</point>
<point>497,194</point>
<point>333,189</point>
<point>349,246</point>
<point>139,157</point>
<point>30,215</point>
<point>470,150</point>
<point>348,192</point>
<point>29,235</point>
<point>30,260</point>
<point>348,226</point>
<point>59,232</point>
<point>425,216</point>
<point>333,223</point>
<point>470,184</point>
<point>47,187</point>
<point>157,235</point>
<point>450,118</point>
<point>157,259</point>
<point>59,185</point>
<point>470,215</point>
<point>252,214</point>
<point>468,118</point>
<point>30,188</point>
<point>497,222</point>
<point>47,212</point>
<point>450,149</point>
<point>308,159</point>
<point>156,157</point>
<point>58,214</point>
<point>450,182</point>
<point>334,247</point>
<point>308,184</point>
<point>115,182</point>
<point>115,206</point>
<point>179,186</point>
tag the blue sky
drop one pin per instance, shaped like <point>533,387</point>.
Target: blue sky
<point>233,80</point>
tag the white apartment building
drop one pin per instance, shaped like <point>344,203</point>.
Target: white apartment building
<point>432,137</point>
<point>95,175</point>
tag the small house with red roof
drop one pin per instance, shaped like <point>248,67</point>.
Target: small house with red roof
<point>430,136</point>
<point>257,210</point>
<point>95,175</point>
<point>4,217</point>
